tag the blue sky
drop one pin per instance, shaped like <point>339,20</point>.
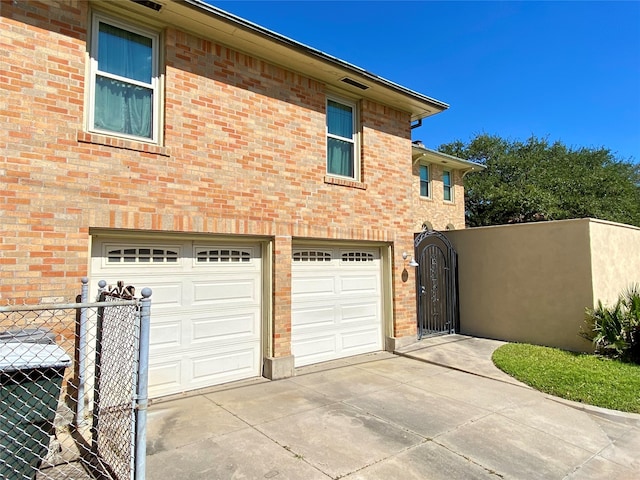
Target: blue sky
<point>567,71</point>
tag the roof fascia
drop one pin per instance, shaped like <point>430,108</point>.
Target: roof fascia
<point>419,153</point>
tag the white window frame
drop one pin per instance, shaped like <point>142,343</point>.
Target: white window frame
<point>429,186</point>
<point>354,140</point>
<point>449,186</point>
<point>98,18</point>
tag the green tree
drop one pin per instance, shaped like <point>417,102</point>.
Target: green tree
<point>535,180</point>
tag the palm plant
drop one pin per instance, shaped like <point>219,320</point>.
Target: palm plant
<point>615,331</point>
<point>632,303</point>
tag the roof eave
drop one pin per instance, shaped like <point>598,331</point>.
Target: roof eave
<point>425,106</point>
<point>223,28</point>
<point>433,156</point>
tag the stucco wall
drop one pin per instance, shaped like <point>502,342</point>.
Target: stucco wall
<point>526,283</point>
<point>615,259</point>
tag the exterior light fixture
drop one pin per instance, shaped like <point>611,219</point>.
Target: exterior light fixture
<point>412,262</point>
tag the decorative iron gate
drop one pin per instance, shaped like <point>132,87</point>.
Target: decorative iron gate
<point>437,284</point>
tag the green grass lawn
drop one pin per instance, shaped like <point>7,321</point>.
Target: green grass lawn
<point>580,377</point>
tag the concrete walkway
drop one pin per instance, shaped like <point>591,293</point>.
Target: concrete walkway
<point>438,409</point>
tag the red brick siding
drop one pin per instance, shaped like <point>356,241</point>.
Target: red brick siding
<point>243,153</point>
<point>281,336</point>
<point>435,210</point>
<point>44,235</point>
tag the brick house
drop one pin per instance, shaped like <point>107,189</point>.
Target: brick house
<point>264,190</point>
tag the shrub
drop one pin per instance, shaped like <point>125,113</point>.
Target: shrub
<point>615,331</point>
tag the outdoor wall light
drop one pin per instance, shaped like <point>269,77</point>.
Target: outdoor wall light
<point>412,262</point>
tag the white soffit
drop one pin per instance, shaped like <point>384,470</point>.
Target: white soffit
<point>433,156</point>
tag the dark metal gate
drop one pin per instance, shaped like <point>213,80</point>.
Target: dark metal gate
<point>437,284</point>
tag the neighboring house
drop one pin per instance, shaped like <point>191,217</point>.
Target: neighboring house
<point>438,189</point>
<point>264,190</point>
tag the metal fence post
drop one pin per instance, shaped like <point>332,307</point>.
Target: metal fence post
<point>82,353</point>
<point>102,284</point>
<point>143,384</point>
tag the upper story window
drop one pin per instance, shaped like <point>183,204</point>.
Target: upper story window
<point>448,187</point>
<point>342,144</point>
<point>425,184</point>
<point>124,82</point>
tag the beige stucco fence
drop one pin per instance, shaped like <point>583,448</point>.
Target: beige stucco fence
<point>532,282</point>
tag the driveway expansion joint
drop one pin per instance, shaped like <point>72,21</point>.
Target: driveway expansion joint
<point>462,370</point>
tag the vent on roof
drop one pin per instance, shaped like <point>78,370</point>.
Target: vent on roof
<point>353,83</point>
<point>149,4</point>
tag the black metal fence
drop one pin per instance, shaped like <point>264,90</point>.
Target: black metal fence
<point>73,380</point>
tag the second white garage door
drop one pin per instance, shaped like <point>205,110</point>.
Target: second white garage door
<point>205,308</point>
<point>336,303</point>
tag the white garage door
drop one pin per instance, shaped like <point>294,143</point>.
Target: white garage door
<point>336,303</point>
<point>205,310</point>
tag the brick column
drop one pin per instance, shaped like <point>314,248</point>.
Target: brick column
<point>280,365</point>
<point>405,307</point>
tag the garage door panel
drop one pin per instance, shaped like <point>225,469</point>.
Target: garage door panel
<point>165,335</point>
<point>314,349</point>
<point>359,284</point>
<point>225,291</point>
<point>359,312</point>
<point>164,375</point>
<point>312,316</point>
<point>359,341</point>
<point>165,295</point>
<point>211,368</point>
<point>315,286</point>
<point>228,328</point>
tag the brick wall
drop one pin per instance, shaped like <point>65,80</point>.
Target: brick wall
<point>243,153</point>
<point>434,210</point>
<point>43,243</point>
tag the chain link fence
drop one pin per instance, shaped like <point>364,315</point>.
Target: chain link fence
<point>73,380</point>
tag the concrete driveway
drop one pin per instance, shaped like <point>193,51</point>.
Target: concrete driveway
<point>438,410</point>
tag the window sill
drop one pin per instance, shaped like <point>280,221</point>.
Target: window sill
<point>344,182</point>
<point>123,143</point>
